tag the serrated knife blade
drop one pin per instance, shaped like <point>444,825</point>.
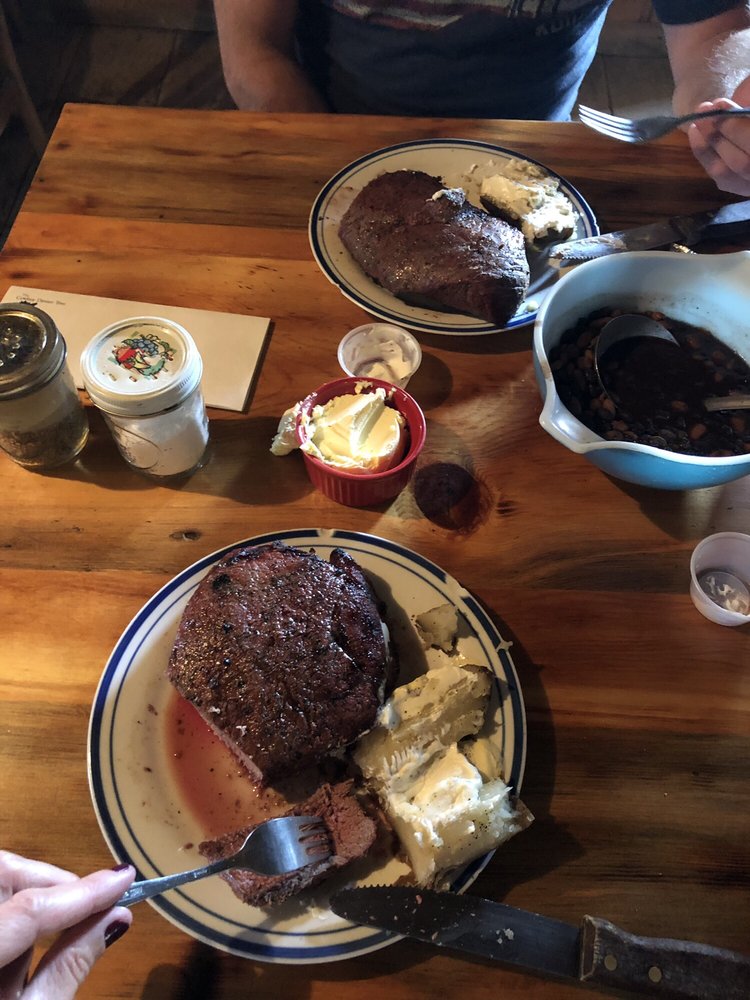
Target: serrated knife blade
<point>595,954</point>
<point>719,223</point>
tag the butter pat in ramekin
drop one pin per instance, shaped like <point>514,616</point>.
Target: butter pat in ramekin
<point>357,432</point>
<point>360,439</point>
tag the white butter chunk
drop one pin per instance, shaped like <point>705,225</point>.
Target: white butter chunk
<point>285,439</point>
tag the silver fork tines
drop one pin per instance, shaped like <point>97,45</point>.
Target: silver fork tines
<point>645,129</point>
<point>275,847</point>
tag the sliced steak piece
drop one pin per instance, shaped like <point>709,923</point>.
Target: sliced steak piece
<point>284,654</point>
<point>351,831</point>
<point>430,247</point>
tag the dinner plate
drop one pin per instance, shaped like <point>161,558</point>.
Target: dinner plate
<point>140,807</point>
<point>460,163</point>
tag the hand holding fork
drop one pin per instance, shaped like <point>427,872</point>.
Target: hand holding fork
<point>646,129</point>
<point>722,150</point>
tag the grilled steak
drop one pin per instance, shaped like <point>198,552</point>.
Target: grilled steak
<point>284,655</point>
<point>351,831</point>
<point>436,250</point>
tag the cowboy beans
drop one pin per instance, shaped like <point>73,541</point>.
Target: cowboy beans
<point>651,405</point>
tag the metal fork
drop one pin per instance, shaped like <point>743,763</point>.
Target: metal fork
<point>273,848</point>
<point>645,129</point>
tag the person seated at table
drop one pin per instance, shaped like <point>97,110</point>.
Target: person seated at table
<point>480,59</point>
<point>37,901</point>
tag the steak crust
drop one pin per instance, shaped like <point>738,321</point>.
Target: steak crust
<point>284,655</point>
<point>439,252</point>
<point>351,831</point>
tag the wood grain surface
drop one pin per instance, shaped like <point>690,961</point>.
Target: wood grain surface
<point>638,708</point>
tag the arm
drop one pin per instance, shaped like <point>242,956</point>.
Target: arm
<point>710,63</point>
<point>256,41</point>
<point>709,59</point>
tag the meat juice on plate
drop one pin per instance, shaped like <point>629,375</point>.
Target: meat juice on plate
<point>221,797</point>
<point>211,781</point>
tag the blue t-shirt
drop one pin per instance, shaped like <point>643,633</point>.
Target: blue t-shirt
<point>482,59</point>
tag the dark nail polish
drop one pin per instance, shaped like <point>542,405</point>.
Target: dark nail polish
<point>120,868</point>
<point>115,931</point>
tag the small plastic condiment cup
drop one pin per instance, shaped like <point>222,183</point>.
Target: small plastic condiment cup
<point>720,565</point>
<point>362,489</point>
<point>380,350</point>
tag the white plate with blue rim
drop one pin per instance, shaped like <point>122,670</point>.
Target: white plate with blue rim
<point>460,163</point>
<point>148,821</point>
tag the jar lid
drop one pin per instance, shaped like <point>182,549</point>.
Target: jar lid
<point>32,349</point>
<point>140,366</point>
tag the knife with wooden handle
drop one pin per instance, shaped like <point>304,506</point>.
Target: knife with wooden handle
<point>725,222</point>
<point>595,954</point>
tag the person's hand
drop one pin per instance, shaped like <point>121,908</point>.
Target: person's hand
<point>38,901</point>
<point>722,145</point>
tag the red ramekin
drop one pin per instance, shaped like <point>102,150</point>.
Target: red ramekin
<point>363,489</point>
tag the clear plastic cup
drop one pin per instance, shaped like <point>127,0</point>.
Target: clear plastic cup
<point>720,578</point>
<point>382,351</point>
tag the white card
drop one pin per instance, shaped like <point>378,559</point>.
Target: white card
<point>229,344</point>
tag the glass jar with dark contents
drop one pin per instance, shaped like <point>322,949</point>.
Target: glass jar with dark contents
<point>42,420</point>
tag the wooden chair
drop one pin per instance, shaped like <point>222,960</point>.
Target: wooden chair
<point>15,100</point>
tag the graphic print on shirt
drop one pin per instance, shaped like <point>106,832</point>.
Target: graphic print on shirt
<point>552,15</point>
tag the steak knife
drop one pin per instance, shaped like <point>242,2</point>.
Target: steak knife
<point>595,954</point>
<point>718,223</point>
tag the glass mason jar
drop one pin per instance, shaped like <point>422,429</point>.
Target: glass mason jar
<point>144,375</point>
<point>42,420</point>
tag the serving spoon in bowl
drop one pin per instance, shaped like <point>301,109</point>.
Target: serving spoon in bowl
<point>632,326</point>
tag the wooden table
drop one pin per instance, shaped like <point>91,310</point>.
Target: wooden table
<point>638,708</point>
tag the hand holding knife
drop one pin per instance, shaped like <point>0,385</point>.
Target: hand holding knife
<point>719,223</point>
<point>595,954</point>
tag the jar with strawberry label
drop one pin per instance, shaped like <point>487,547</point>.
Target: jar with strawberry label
<point>144,374</point>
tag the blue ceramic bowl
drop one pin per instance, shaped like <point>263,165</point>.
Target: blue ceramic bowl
<point>712,292</point>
